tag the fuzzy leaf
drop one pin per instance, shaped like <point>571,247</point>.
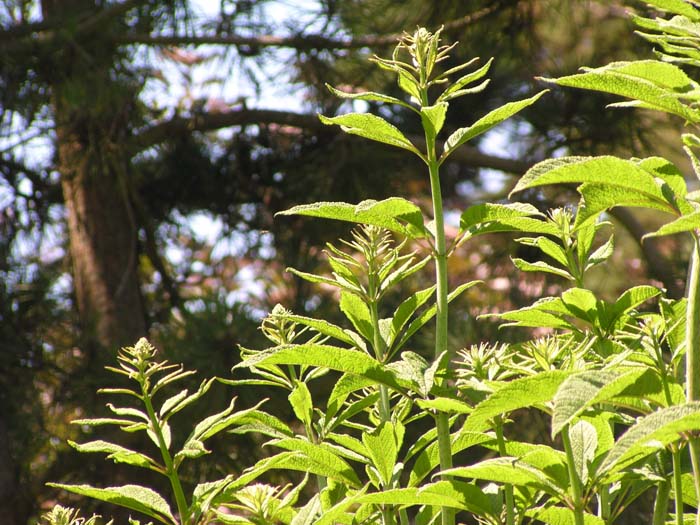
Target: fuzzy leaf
<point>340,359</point>
<point>433,118</point>
<point>323,327</point>
<point>407,308</point>
<point>561,516</point>
<point>584,441</point>
<point>300,399</point>
<point>358,313</point>
<point>485,123</point>
<point>326,461</point>
<point>519,393</point>
<point>134,497</point>
<point>383,446</point>
<point>395,214</point>
<point>655,84</point>
<point>428,314</point>
<point>678,7</point>
<point>371,127</point>
<point>456,86</point>
<point>516,217</point>
<point>605,170</point>
<point>685,223</point>
<point>650,434</point>
<point>116,453</point>
<point>346,385</point>
<point>540,266</point>
<point>584,389</point>
<point>368,95</point>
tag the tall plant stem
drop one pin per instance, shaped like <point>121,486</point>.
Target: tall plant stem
<point>663,490</point>
<point>692,353</point>
<point>170,471</point>
<point>576,492</point>
<point>441,350</point>
<point>507,488</point>
<point>677,485</point>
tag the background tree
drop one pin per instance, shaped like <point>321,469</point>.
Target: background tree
<point>123,121</point>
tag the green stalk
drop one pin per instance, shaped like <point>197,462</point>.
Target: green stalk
<point>507,488</point>
<point>576,491</point>
<point>663,491</point>
<point>379,350</point>
<point>677,485</point>
<point>441,419</point>
<point>170,470</point>
<point>692,353</point>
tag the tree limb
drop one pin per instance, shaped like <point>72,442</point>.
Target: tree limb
<point>300,41</point>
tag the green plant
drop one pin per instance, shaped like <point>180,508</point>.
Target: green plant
<point>608,380</point>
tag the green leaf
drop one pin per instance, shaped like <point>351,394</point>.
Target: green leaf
<point>584,442</point>
<point>584,389</point>
<point>395,214</point>
<point>340,359</point>
<point>429,459</point>
<point>685,223</point>
<point>595,170</point>
<point>485,123</point>
<point>134,497</point>
<point>445,404</point>
<point>433,118</point>
<point>507,470</point>
<point>406,309</point>
<point>455,89</point>
<point>346,385</point>
<point>540,266</point>
<point>326,461</point>
<point>300,399</point>
<point>561,516</point>
<point>516,217</point>
<point>519,393</point>
<point>650,434</point>
<point>383,446</point>
<point>655,84</point>
<point>323,327</point>
<point>370,96</point>
<point>357,313</point>
<point>116,453</point>
<point>309,512</point>
<point>678,7</point>
<point>428,314</point>
<point>371,127</point>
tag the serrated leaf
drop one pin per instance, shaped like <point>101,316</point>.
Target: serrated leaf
<point>407,308</point>
<point>357,313</point>
<point>654,83</point>
<point>540,266</point>
<point>134,497</point>
<point>561,516</point>
<point>584,442</point>
<point>679,7</point>
<point>433,118</point>
<point>519,393</point>
<point>324,458</point>
<point>395,214</point>
<point>650,434</point>
<point>485,123</point>
<point>383,446</point>
<point>507,470</point>
<point>116,453</point>
<point>371,127</point>
<point>584,389</point>
<point>323,327</point>
<point>300,399</point>
<point>332,357</point>
<point>445,404</point>
<point>428,314</point>
<point>454,87</point>
<point>347,384</point>
<point>309,512</point>
<point>595,171</point>
<point>685,223</point>
<point>370,96</point>
<point>516,217</point>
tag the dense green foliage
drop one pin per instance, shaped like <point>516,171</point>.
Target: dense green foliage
<point>615,380</point>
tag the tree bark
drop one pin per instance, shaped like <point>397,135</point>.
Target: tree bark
<point>92,116</point>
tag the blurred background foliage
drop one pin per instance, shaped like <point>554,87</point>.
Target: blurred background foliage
<point>145,146</point>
